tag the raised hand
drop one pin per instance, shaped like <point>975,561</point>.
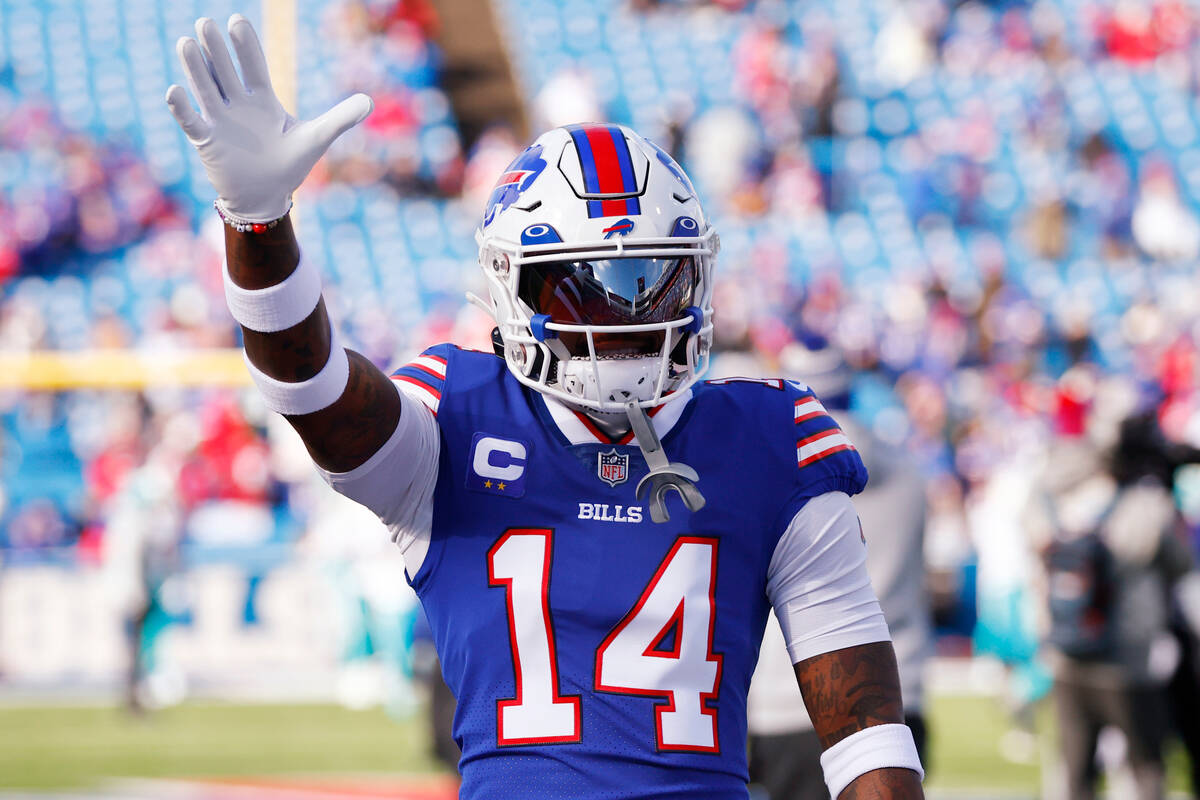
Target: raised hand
<point>255,153</point>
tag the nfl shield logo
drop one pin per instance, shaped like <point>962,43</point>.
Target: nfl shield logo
<point>612,467</point>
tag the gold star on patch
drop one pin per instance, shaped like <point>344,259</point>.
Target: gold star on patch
<point>487,484</point>
<point>501,486</point>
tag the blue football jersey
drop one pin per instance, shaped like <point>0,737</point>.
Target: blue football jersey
<point>595,653</point>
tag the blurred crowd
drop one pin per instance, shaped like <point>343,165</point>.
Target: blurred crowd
<point>989,208</point>
<point>386,49</point>
<point>1003,330</point>
<point>65,197</point>
<point>95,253</point>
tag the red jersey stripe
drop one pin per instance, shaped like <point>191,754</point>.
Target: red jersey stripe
<point>418,382</point>
<point>426,370</point>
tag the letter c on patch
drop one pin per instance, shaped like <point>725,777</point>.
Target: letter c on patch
<point>501,459</point>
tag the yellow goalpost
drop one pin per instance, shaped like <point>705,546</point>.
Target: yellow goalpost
<point>64,370</point>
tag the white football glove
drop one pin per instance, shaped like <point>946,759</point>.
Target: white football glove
<point>255,153</point>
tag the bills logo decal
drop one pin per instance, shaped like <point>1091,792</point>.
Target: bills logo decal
<point>622,228</point>
<point>519,176</point>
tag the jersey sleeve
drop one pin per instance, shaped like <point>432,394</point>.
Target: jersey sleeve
<point>817,581</point>
<point>398,481</point>
<point>812,448</point>
<point>424,378</point>
<point>826,460</point>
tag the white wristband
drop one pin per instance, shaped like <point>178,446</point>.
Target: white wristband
<point>876,747</point>
<point>319,391</point>
<point>278,307</point>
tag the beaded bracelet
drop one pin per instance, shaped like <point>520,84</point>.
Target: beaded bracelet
<point>243,226</point>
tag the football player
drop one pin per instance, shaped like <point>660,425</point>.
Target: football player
<point>595,535</point>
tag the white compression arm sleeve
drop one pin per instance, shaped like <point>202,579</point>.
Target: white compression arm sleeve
<point>817,581</point>
<point>397,482</point>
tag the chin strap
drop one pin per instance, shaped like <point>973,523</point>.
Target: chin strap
<point>664,475</point>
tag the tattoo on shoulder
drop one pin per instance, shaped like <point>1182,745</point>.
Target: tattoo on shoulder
<point>851,689</point>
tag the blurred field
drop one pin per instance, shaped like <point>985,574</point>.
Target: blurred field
<point>58,747</point>
<point>49,747</point>
<point>324,746</point>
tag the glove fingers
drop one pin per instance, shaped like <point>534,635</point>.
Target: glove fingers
<point>203,87</point>
<point>249,54</point>
<point>341,118</point>
<point>194,126</point>
<point>217,54</point>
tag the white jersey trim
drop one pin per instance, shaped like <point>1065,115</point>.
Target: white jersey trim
<point>417,391</point>
<point>435,365</point>
<point>817,581</point>
<point>576,432</point>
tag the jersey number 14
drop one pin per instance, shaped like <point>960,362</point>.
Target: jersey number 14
<point>633,659</point>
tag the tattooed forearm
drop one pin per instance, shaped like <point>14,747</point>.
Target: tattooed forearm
<point>294,354</point>
<point>884,784</point>
<point>350,431</point>
<point>851,689</point>
<point>347,433</point>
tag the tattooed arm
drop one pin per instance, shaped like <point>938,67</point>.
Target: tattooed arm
<point>339,437</point>
<point>256,155</point>
<point>851,689</point>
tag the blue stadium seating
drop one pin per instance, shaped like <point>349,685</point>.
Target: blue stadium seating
<point>103,65</point>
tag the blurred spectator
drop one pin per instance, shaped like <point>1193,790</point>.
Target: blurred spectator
<point>1163,227</point>
<point>1137,32</point>
<point>144,529</point>
<point>384,48</point>
<point>903,51</point>
<point>353,550</point>
<point>568,98</point>
<point>1113,558</point>
<point>1048,230</point>
<point>427,672</point>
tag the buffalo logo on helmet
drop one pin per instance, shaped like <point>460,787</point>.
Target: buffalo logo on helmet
<point>612,467</point>
<point>622,228</point>
<point>519,176</point>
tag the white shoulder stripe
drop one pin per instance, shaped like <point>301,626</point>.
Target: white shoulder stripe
<point>809,408</point>
<point>432,364</point>
<point>821,445</point>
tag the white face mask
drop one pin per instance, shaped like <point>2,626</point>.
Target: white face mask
<point>612,381</point>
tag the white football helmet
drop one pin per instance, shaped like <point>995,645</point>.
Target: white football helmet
<point>599,264</point>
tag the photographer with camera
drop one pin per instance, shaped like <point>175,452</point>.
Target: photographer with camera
<point>1115,558</point>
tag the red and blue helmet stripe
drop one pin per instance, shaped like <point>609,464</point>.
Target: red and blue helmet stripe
<point>607,169</point>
